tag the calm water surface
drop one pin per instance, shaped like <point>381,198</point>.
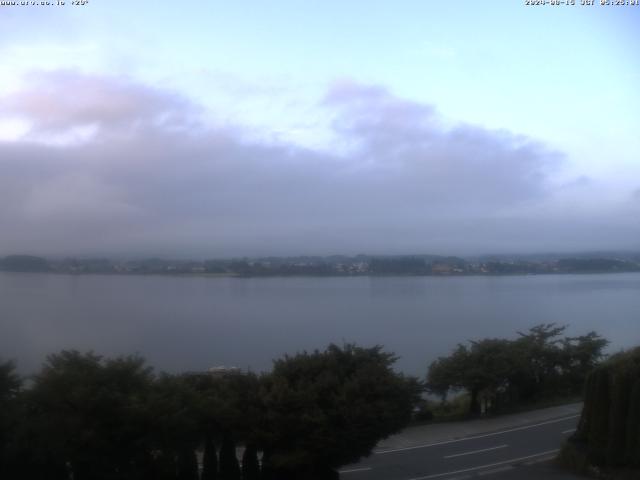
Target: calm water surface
<point>192,323</point>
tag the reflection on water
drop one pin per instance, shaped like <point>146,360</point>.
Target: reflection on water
<point>189,323</point>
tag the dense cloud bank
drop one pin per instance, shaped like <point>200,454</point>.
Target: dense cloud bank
<point>106,165</point>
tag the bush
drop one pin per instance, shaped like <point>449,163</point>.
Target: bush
<point>608,434</point>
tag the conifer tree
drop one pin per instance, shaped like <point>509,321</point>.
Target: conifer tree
<point>599,428</point>
<point>187,464</point>
<point>229,466</point>
<point>621,384</point>
<point>250,464</point>
<point>209,460</point>
<point>632,447</point>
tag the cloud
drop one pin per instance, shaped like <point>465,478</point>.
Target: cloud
<point>408,141</point>
<point>153,178</point>
<point>60,102</point>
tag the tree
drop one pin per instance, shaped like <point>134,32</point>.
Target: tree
<point>187,464</point>
<point>250,464</point>
<point>483,370</point>
<point>581,355</point>
<point>632,443</point>
<point>488,373</point>
<point>175,431</point>
<point>10,382</point>
<point>228,402</point>
<point>229,466</point>
<point>91,414</point>
<point>89,417</point>
<point>10,385</point>
<point>209,460</point>
<point>448,373</point>
<point>326,409</point>
<point>540,347</point>
<point>228,408</point>
<point>495,372</point>
<point>609,427</point>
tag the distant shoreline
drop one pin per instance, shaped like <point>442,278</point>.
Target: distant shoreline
<point>364,275</point>
<point>332,266</point>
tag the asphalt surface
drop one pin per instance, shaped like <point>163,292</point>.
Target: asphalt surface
<point>518,450</point>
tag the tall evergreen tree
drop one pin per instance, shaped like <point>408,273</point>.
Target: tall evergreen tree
<point>632,448</point>
<point>165,467</point>
<point>599,422</point>
<point>9,387</point>
<point>229,466</point>
<point>609,428</point>
<point>250,464</point>
<point>209,460</point>
<point>621,386</point>
<point>267,471</point>
<point>187,464</point>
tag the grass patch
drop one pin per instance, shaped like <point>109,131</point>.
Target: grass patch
<point>457,409</point>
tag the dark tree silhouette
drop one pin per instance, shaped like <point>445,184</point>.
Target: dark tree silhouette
<point>209,460</point>
<point>250,464</point>
<point>90,414</point>
<point>229,466</point>
<point>326,409</point>
<point>609,429</point>
<point>187,464</point>
<point>92,418</point>
<point>495,372</point>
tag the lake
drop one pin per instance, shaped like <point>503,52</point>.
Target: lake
<point>193,323</point>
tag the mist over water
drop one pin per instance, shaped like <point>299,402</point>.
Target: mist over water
<point>193,323</point>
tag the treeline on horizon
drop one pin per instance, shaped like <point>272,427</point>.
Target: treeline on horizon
<point>337,265</point>
<point>83,416</point>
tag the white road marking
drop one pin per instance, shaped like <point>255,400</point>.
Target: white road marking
<point>480,467</point>
<point>536,460</point>
<point>493,471</point>
<point>571,430</point>
<point>353,470</point>
<point>476,451</point>
<point>446,442</point>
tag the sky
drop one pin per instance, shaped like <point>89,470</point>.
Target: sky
<point>215,129</point>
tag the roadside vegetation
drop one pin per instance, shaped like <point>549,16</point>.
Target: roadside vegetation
<point>606,443</point>
<point>540,367</point>
<point>85,417</point>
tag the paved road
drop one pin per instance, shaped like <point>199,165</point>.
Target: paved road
<point>517,451</point>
